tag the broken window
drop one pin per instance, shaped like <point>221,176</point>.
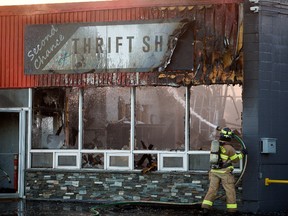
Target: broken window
<point>160,113</point>
<point>159,126</point>
<point>211,106</point>
<point>92,160</point>
<point>142,161</point>
<point>72,118</point>
<point>55,118</point>
<point>106,118</point>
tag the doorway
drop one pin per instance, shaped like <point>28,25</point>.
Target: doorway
<point>12,153</point>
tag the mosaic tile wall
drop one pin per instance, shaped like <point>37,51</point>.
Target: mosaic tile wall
<point>118,186</point>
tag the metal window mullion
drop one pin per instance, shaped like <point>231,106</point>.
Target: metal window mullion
<point>55,160</point>
<point>80,127</point>
<point>21,157</point>
<point>187,127</point>
<point>29,129</point>
<point>185,162</point>
<point>132,125</point>
<point>106,160</point>
<point>159,161</point>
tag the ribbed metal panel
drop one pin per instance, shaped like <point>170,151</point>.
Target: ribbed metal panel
<point>11,61</point>
<point>14,19</point>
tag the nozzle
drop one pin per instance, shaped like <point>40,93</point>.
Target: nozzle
<point>218,128</point>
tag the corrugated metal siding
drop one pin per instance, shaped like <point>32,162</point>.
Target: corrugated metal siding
<point>11,61</point>
<point>12,28</point>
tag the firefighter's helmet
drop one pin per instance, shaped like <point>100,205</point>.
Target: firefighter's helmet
<point>226,134</point>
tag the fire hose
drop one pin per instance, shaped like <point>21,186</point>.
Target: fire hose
<point>245,159</point>
<point>95,210</point>
<point>245,156</point>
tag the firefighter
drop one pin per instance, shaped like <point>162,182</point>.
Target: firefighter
<point>221,172</point>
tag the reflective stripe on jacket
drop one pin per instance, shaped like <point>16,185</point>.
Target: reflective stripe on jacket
<point>228,155</point>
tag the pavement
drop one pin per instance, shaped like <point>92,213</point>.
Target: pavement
<point>22,207</point>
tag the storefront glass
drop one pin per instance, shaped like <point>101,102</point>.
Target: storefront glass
<point>212,106</point>
<point>160,137</point>
<point>106,118</point>
<point>160,114</point>
<point>55,119</point>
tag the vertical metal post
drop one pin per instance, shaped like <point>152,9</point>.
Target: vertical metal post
<point>132,126</point>
<point>187,126</point>
<point>80,126</point>
<point>21,157</point>
<point>29,129</point>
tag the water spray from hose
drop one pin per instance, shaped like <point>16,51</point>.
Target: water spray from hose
<point>192,112</point>
<point>218,128</point>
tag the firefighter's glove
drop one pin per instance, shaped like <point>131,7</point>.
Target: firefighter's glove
<point>244,151</point>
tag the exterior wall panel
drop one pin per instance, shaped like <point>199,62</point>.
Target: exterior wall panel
<point>14,19</point>
<point>11,61</point>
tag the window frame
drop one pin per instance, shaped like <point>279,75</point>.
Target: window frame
<point>178,154</point>
<point>161,154</point>
<point>109,155</point>
<point>60,153</point>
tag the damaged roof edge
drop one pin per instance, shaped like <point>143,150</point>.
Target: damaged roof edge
<point>172,43</point>
<point>102,5</point>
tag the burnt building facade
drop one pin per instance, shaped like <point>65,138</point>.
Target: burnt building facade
<point>92,94</point>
